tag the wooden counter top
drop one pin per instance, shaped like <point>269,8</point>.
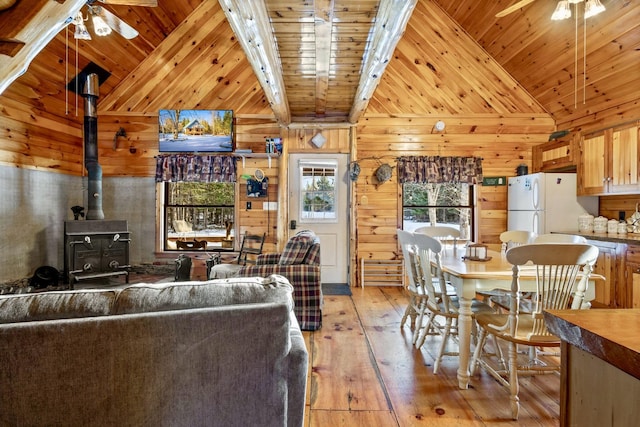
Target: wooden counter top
<point>611,335</point>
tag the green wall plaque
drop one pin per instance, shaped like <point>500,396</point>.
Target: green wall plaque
<point>494,180</point>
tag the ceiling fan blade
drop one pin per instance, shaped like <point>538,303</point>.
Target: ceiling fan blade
<point>513,8</point>
<point>146,3</point>
<point>117,24</point>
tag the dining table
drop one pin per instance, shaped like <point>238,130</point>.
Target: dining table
<point>494,272</point>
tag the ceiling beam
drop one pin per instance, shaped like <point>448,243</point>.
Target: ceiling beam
<point>147,3</point>
<point>250,22</point>
<point>323,25</point>
<point>10,47</point>
<point>513,8</point>
<point>388,28</point>
<point>29,40</point>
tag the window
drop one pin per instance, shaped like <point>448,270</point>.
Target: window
<point>199,211</point>
<point>318,191</point>
<point>438,204</point>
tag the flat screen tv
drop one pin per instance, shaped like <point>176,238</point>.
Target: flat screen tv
<point>201,131</point>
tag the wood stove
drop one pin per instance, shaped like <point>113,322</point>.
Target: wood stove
<point>96,248</point>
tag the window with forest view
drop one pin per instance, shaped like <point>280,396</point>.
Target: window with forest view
<point>438,204</point>
<point>198,211</point>
<point>318,195</point>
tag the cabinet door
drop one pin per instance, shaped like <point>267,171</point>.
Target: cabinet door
<point>632,288</point>
<point>554,156</point>
<point>624,176</point>
<point>605,266</point>
<point>592,171</point>
<point>629,293</point>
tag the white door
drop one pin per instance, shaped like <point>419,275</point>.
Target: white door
<point>319,202</point>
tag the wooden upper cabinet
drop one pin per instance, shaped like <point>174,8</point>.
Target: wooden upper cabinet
<point>592,169</point>
<point>556,156</point>
<point>609,162</point>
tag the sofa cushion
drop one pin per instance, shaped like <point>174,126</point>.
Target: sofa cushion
<point>296,248</point>
<point>183,295</point>
<point>56,305</point>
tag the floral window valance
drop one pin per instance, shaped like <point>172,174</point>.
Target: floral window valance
<point>193,168</point>
<point>438,170</point>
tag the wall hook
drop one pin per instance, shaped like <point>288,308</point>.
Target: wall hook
<point>121,132</point>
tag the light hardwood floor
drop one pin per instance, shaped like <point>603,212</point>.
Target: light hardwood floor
<point>365,372</point>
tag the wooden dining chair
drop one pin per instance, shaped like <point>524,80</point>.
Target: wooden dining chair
<point>561,272</point>
<point>500,299</point>
<point>509,239</point>
<point>250,248</point>
<point>438,302</point>
<point>417,307</point>
<point>513,238</point>
<point>559,238</point>
<point>423,321</point>
<point>443,233</point>
<point>191,245</point>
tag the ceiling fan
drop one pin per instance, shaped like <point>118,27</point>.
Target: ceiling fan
<point>563,11</point>
<point>104,21</point>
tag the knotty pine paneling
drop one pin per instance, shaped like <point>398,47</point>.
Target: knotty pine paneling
<point>604,116</point>
<point>383,139</point>
<point>258,219</point>
<point>142,135</point>
<point>251,132</point>
<point>298,139</point>
<point>35,139</point>
<point>539,54</point>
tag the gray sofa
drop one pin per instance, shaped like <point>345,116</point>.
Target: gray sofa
<point>223,352</point>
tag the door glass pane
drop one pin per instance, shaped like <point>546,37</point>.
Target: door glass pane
<point>318,191</point>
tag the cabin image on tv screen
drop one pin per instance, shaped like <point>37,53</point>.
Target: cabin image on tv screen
<point>195,130</point>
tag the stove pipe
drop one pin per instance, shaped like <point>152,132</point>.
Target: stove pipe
<point>94,171</point>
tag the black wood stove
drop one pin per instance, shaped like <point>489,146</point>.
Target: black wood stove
<point>96,248</point>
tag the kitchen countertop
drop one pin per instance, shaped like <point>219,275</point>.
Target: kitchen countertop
<point>609,334</point>
<point>629,238</point>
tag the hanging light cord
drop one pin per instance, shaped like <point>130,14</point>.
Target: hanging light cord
<point>575,65</point>
<point>77,78</point>
<point>584,64</point>
<point>66,69</point>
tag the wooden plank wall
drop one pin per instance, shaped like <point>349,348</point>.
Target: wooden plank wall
<point>298,139</point>
<point>134,155</point>
<point>251,132</point>
<point>36,139</point>
<point>502,142</point>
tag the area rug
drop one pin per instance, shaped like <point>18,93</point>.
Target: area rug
<point>335,289</point>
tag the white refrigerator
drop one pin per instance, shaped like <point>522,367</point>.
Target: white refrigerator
<point>546,202</point>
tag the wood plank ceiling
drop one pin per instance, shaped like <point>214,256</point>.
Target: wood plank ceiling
<point>455,56</point>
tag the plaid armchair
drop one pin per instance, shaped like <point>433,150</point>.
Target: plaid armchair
<point>300,264</point>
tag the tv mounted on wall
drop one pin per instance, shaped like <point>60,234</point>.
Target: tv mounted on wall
<point>199,131</point>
